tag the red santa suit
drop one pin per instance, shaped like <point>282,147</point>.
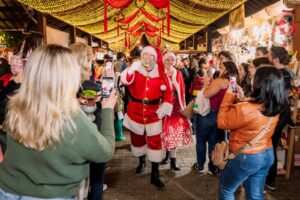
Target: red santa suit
<point>151,99</point>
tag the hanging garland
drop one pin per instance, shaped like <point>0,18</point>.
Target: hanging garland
<point>283,30</point>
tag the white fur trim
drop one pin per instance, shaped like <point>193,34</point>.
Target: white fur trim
<point>154,128</point>
<point>139,151</point>
<point>166,108</point>
<point>174,81</point>
<point>163,87</point>
<point>149,49</point>
<point>133,126</point>
<point>167,55</point>
<point>155,155</point>
<point>124,77</point>
<point>154,73</point>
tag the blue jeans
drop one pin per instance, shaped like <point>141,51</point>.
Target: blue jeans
<point>96,180</point>
<point>9,196</point>
<point>206,132</point>
<point>249,169</point>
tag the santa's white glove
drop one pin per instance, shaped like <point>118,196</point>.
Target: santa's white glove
<point>164,110</point>
<point>160,113</point>
<point>134,67</point>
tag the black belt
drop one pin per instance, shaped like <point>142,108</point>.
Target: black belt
<point>147,102</point>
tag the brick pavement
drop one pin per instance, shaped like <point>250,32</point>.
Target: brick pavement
<point>124,184</point>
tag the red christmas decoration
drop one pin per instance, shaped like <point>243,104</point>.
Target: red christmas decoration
<point>160,4</point>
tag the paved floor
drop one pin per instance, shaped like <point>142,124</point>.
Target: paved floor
<point>124,184</point>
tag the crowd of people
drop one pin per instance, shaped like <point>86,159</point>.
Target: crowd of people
<point>59,131</point>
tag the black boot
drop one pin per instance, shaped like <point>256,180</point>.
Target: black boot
<point>155,176</point>
<point>166,159</point>
<point>173,165</point>
<point>141,167</point>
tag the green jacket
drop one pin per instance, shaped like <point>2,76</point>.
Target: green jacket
<point>58,172</point>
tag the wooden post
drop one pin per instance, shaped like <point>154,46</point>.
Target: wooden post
<point>195,41</point>
<point>185,44</point>
<point>208,40</point>
<point>42,24</point>
<point>296,48</point>
<point>296,42</point>
<point>90,40</point>
<point>72,35</point>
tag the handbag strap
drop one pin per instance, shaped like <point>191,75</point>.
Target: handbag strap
<point>253,141</point>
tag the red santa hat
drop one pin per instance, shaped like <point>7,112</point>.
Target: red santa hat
<point>151,50</point>
<point>161,70</point>
<point>167,55</point>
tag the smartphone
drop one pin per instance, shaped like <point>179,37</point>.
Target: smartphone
<point>233,83</point>
<point>107,86</point>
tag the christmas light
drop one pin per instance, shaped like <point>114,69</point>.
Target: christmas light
<point>187,18</point>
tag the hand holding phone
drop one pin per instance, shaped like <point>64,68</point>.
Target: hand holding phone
<point>107,86</point>
<point>233,83</point>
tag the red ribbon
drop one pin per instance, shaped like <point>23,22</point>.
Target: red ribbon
<point>126,44</point>
<point>105,16</point>
<point>168,17</point>
<point>163,26</point>
<point>129,18</point>
<point>129,41</point>
<point>119,3</point>
<point>159,3</point>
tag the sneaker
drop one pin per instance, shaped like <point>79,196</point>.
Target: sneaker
<point>265,191</point>
<point>198,169</point>
<point>291,124</point>
<point>104,187</point>
<point>107,167</point>
<point>271,186</point>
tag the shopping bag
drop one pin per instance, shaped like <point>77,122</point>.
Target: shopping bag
<point>202,104</point>
<point>188,111</point>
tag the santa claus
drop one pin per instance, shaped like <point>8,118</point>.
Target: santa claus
<point>151,99</point>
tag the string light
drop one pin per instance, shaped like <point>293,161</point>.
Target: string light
<point>87,15</point>
<point>54,5</point>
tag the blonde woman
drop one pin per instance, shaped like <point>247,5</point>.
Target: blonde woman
<point>50,140</point>
<point>84,55</point>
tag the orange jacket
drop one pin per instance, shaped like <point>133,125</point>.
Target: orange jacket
<point>245,121</point>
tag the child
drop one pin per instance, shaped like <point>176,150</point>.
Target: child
<point>197,83</point>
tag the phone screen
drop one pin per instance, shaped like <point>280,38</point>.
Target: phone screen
<point>233,83</point>
<point>107,86</point>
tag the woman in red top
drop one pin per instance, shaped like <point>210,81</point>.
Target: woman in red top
<point>176,127</point>
<point>206,126</point>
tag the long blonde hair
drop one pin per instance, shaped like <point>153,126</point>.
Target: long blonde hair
<point>84,55</point>
<point>46,99</point>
